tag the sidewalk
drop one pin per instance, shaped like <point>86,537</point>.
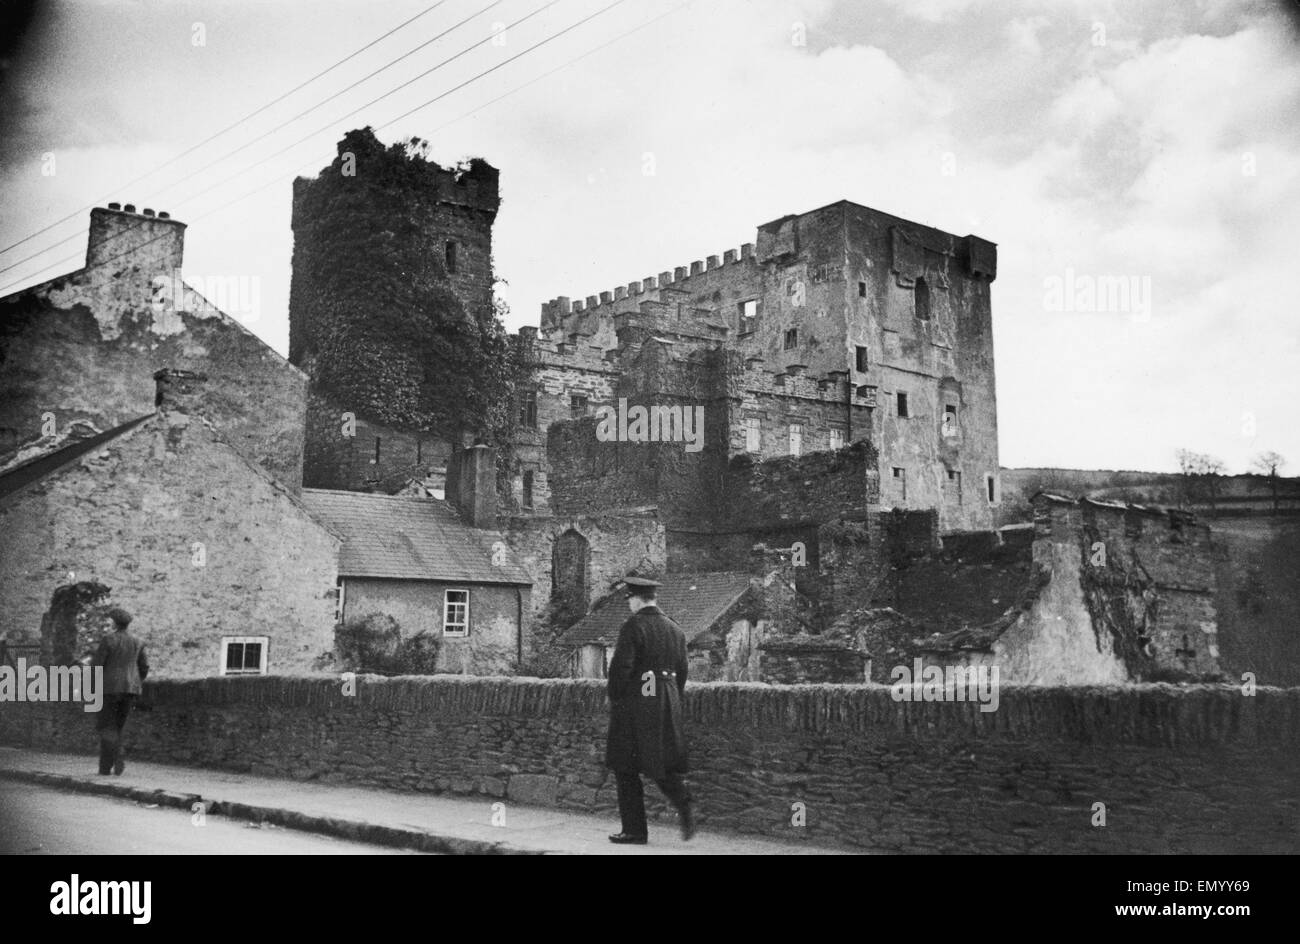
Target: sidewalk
<point>430,823</point>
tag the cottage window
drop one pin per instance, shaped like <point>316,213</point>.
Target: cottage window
<point>902,406</point>
<point>861,361</point>
<point>455,613</point>
<point>244,655</point>
<point>577,405</point>
<point>862,290</point>
<point>900,476</point>
<point>528,489</point>
<point>791,339</point>
<point>451,257</point>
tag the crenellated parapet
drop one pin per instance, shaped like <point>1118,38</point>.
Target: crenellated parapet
<point>659,288</point>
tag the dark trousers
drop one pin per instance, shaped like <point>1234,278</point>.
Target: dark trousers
<point>631,799</point>
<point>109,724</point>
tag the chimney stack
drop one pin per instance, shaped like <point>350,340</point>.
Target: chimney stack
<point>178,391</point>
<point>121,237</point>
<point>472,485</point>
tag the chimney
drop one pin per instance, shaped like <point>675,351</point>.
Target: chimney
<point>472,485</point>
<point>122,237</point>
<point>178,391</point>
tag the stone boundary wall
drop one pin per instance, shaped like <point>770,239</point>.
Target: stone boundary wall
<point>1194,769</point>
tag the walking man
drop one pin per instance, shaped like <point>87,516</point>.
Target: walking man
<point>647,678</point>
<point>125,667</point>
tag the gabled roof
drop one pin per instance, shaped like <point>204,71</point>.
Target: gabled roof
<point>409,538</point>
<point>695,602</point>
<point>43,465</point>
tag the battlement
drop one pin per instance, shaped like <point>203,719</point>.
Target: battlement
<point>624,298</point>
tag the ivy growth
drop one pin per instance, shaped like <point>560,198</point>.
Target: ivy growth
<point>382,330</point>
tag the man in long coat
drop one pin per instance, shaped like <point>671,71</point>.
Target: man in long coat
<point>125,666</point>
<point>647,678</point>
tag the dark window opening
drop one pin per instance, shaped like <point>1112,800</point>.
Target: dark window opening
<point>861,360</point>
<point>578,406</point>
<point>922,299</point>
<point>528,489</point>
<point>243,658</point>
<point>791,339</point>
<point>528,409</point>
<point>862,290</point>
<point>902,406</point>
<point>992,485</point>
<point>570,555</point>
<point>451,257</point>
<point>376,450</point>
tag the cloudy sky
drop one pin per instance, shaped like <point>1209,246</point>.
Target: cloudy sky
<point>1150,142</point>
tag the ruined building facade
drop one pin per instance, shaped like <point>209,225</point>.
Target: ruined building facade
<point>837,326</point>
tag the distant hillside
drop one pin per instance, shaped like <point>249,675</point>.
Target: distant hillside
<point>1233,494</point>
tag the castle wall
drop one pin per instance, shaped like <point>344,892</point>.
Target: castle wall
<point>825,284</point>
<point>357,454</point>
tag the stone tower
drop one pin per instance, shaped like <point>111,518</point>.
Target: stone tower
<point>431,227</point>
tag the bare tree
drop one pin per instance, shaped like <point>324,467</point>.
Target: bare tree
<point>1201,474</point>
<point>1267,463</point>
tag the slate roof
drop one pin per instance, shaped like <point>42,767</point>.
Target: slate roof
<point>410,538</point>
<point>693,601</point>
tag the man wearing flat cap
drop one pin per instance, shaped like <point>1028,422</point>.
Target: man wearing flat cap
<point>125,667</point>
<point>647,678</point>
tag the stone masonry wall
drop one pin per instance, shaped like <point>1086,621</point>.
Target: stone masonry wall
<point>334,459</point>
<point>193,540</point>
<point>85,346</point>
<point>1197,769</point>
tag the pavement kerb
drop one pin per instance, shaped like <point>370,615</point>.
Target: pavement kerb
<point>354,830</point>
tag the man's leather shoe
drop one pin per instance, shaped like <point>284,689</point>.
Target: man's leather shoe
<point>623,839</point>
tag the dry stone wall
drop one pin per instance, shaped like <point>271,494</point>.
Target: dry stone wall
<point>1179,769</point>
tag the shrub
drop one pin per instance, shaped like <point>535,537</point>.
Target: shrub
<point>374,643</point>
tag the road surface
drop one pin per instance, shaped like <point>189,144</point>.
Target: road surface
<point>36,820</point>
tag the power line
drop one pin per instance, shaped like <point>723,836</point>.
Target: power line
<point>431,101</point>
<point>301,114</point>
<point>317,131</point>
<point>208,140</point>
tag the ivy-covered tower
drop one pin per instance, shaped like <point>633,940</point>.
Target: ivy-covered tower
<point>391,310</point>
